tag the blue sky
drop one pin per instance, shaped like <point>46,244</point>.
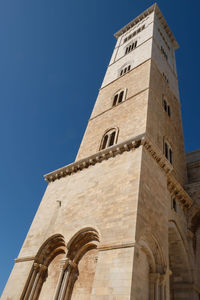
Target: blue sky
<point>53,56</point>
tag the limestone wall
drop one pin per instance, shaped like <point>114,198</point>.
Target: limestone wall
<point>104,197</point>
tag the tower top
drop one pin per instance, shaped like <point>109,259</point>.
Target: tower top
<point>143,15</point>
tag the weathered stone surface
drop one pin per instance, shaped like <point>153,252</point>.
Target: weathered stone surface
<point>122,225</point>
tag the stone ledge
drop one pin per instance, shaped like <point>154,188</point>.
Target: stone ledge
<point>173,185</point>
<point>98,157</point>
<point>26,258</point>
<point>178,192</point>
<point>116,246</point>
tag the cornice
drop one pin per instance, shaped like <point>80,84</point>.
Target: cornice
<point>173,185</point>
<point>143,15</point>
<point>193,164</point>
<point>134,21</point>
<point>178,192</point>
<point>193,184</point>
<point>98,157</point>
<point>157,155</point>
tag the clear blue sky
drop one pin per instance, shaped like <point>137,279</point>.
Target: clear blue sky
<point>53,56</point>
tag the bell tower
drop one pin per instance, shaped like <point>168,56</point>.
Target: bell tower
<point>106,227</point>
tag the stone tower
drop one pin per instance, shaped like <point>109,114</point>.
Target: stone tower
<point>118,223</point>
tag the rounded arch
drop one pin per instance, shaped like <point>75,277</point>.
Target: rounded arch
<point>179,260</point>
<point>149,243</point>
<point>80,243</point>
<point>109,138</point>
<point>80,264</point>
<point>53,246</point>
<point>49,250</point>
<point>119,96</point>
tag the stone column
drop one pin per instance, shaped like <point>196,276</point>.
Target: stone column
<point>31,281</point>
<point>72,279</point>
<point>163,287</point>
<point>39,280</point>
<point>66,282</point>
<point>154,286</point>
<point>63,265</point>
<point>197,236</point>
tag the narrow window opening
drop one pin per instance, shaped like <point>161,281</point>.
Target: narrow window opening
<point>169,111</point>
<point>125,70</point>
<point>165,105</point>
<point>170,155</point>
<point>166,150</point>
<point>105,141</point>
<point>115,99</point>
<point>121,96</point>
<point>109,139</point>
<point>174,205</point>
<point>112,139</point>
<point>134,33</point>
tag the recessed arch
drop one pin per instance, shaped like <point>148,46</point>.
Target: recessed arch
<point>49,250</point>
<point>80,248</point>
<point>119,96</point>
<point>179,262</point>
<point>109,138</point>
<point>152,275</point>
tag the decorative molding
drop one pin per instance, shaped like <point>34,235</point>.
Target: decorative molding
<point>173,185</point>
<point>116,246</point>
<point>193,164</point>
<point>142,16</point>
<point>124,101</point>
<point>185,285</point>
<point>98,157</point>
<point>26,258</point>
<point>178,192</point>
<point>157,155</point>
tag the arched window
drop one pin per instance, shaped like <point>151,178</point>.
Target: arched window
<point>125,70</point>
<point>168,151</point>
<point>131,47</point>
<point>166,106</point>
<point>119,97</point>
<point>51,249</point>
<point>109,139</point>
<point>83,243</point>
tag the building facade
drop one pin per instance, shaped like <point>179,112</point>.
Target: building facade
<point>122,221</point>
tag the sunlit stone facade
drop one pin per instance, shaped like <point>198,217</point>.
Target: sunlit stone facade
<point>122,221</point>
